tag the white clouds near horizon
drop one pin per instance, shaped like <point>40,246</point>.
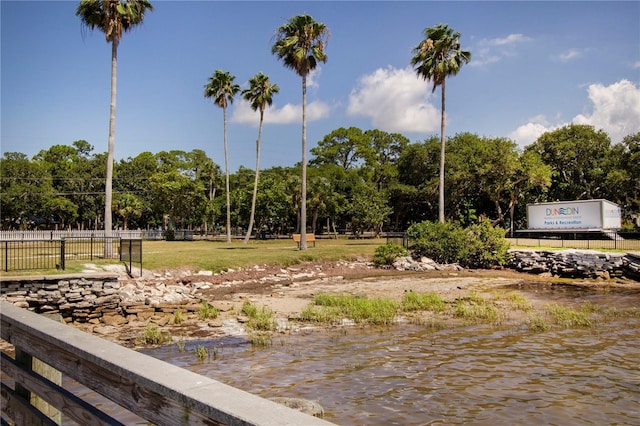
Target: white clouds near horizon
<point>396,100</point>
<point>287,114</point>
<point>614,109</point>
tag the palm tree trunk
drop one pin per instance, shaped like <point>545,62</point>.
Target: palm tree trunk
<point>303,191</point>
<point>255,182</point>
<point>226,173</point>
<point>108,187</point>
<point>442,153</point>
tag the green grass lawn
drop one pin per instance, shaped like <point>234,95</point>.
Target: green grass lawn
<point>218,255</point>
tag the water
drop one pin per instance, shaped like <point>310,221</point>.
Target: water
<point>412,375</point>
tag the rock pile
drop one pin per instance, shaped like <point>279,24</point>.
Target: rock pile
<point>575,263</point>
<point>407,263</point>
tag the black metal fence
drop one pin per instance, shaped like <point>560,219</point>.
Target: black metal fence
<point>53,254</point>
<point>628,241</point>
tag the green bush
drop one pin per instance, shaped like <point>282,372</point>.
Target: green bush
<point>478,246</point>
<point>388,253</point>
<point>441,242</point>
<point>486,246</point>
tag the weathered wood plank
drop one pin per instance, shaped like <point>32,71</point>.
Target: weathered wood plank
<point>20,411</point>
<point>155,390</point>
<point>70,405</point>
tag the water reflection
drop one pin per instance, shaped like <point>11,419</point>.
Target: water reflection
<point>409,375</point>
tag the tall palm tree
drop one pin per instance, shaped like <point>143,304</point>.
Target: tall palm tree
<point>221,90</point>
<point>259,95</point>
<point>113,18</point>
<point>300,44</point>
<point>436,57</point>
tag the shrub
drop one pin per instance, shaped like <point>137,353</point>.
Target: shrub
<point>388,253</point>
<point>442,242</point>
<point>486,246</point>
<point>478,246</point>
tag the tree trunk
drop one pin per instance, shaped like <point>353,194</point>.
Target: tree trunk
<point>442,153</point>
<point>226,173</point>
<point>255,182</point>
<point>303,191</point>
<point>108,187</point>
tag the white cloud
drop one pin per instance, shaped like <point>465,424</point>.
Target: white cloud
<point>508,40</point>
<point>569,55</point>
<point>615,110</point>
<point>396,100</point>
<point>312,78</point>
<point>636,65</point>
<point>528,133</point>
<point>289,113</point>
<point>488,51</point>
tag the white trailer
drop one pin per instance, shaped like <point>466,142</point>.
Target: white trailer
<point>585,215</point>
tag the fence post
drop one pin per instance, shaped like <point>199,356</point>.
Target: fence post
<point>6,256</point>
<point>62,253</point>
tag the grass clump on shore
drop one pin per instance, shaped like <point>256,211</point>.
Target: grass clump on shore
<point>207,311</point>
<point>260,319</point>
<point>570,317</point>
<point>153,336</point>
<point>201,352</point>
<point>476,309</point>
<point>431,301</point>
<point>362,310</point>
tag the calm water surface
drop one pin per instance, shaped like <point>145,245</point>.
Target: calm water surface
<point>409,375</point>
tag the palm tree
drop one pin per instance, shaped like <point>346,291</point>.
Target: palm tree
<point>112,17</point>
<point>259,95</point>
<point>300,44</point>
<point>221,90</point>
<point>436,57</point>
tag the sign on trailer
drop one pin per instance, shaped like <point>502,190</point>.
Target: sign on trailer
<point>571,215</point>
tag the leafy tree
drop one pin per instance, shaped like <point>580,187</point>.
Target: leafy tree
<point>259,95</point>
<point>128,206</point>
<point>369,209</point>
<point>577,155</point>
<point>62,209</point>
<point>381,152</point>
<point>532,176</point>
<point>623,177</point>
<point>178,197</point>
<point>342,147</point>
<point>300,44</point>
<point>132,177</point>
<point>221,89</point>
<point>76,175</point>
<point>26,188</point>
<point>437,57</point>
<point>417,183</point>
<point>112,17</point>
<point>274,203</point>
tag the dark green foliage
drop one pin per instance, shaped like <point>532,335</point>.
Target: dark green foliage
<point>478,246</point>
<point>388,253</point>
<point>442,242</point>
<point>486,246</point>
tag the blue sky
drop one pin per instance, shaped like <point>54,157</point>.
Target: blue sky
<point>535,66</point>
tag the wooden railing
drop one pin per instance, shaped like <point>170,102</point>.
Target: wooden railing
<point>152,389</point>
